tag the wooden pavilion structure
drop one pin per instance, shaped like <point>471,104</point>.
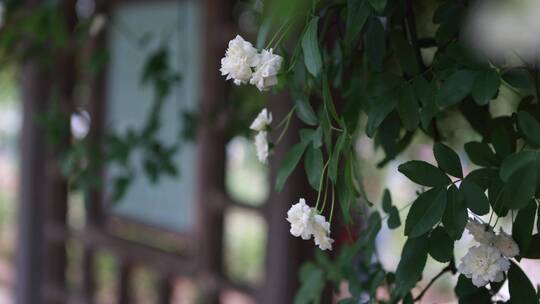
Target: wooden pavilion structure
<point>43,230</point>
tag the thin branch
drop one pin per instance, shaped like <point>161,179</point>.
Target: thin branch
<point>450,268</point>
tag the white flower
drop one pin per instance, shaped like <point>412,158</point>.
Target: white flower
<point>265,74</point>
<point>261,146</point>
<point>483,264</point>
<point>299,215</point>
<point>306,222</point>
<point>263,120</point>
<point>98,23</point>
<point>506,245</point>
<point>481,232</point>
<point>239,58</point>
<point>321,232</point>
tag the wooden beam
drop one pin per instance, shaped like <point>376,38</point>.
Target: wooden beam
<point>211,141</point>
<point>35,91</point>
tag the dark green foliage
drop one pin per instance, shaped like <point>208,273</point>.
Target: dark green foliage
<point>410,267</point>
<point>474,196</point>
<point>425,212</point>
<point>455,88</point>
<point>447,159</point>
<point>485,86</point>
<point>441,246</point>
<point>530,128</point>
<point>424,173</point>
<point>522,228</point>
<point>481,154</point>
<point>455,215</point>
<point>520,287</point>
<point>394,220</point>
<point>290,161</point>
<point>313,165</point>
<point>310,47</point>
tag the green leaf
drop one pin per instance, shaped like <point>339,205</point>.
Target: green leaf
<point>516,161</point>
<point>312,284</point>
<point>529,126</point>
<point>350,176</point>
<point>518,78</point>
<point>306,135</point>
<point>405,54</point>
<point>394,220</point>
<point>288,164</point>
<point>334,160</point>
<point>357,15</point>
<point>423,173</point>
<point>481,154</point>
<point>407,108</point>
<point>474,196</point>
<point>317,137</point>
<point>412,262</point>
<point>383,105</point>
<point>447,159</point>
<point>495,192</point>
<point>441,246</point>
<point>482,177</point>
<point>426,92</point>
<point>470,294</point>
<point>523,225</point>
<point>485,86</point>
<point>375,43</point>
<point>520,188</point>
<point>313,164</point>
<point>310,47</point>
<point>378,5</point>
<point>520,287</point>
<point>503,142</point>
<point>455,88</point>
<point>533,252</point>
<point>367,240</point>
<point>327,99</point>
<point>345,197</point>
<point>455,215</point>
<point>305,112</point>
<point>425,212</point>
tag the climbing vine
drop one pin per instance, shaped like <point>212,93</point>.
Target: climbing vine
<point>392,69</point>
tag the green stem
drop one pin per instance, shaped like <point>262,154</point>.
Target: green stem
<point>332,207</point>
<point>285,123</point>
<point>325,194</point>
<point>320,185</point>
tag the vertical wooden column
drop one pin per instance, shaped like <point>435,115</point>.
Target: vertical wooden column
<point>96,108</point>
<point>284,253</point>
<point>165,289</point>
<point>211,141</point>
<point>56,193</point>
<point>34,92</point>
<point>124,283</point>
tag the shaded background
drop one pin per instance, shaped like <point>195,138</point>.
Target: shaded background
<point>214,231</point>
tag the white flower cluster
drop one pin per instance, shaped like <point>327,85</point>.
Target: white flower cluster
<point>488,261</point>
<point>243,64</point>
<point>306,222</point>
<point>261,124</point>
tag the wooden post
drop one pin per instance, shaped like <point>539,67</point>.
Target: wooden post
<point>211,141</point>
<point>165,289</point>
<point>34,93</point>
<point>56,193</point>
<point>124,283</point>
<point>284,253</point>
